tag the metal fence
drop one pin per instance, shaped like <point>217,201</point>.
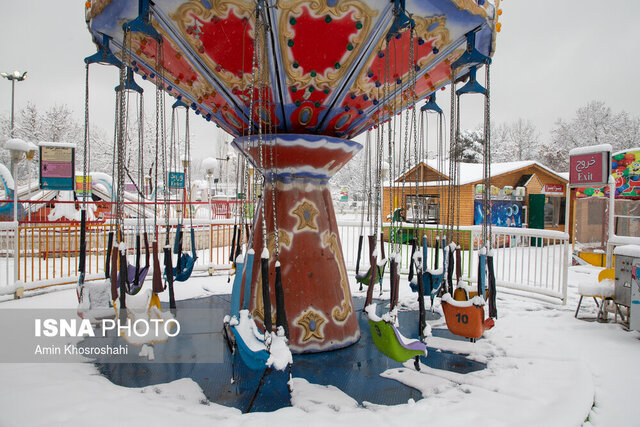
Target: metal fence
<point>35,256</point>
<point>525,259</point>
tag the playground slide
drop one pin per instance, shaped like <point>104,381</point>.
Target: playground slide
<point>128,197</point>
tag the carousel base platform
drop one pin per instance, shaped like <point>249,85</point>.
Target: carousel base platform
<point>355,370</point>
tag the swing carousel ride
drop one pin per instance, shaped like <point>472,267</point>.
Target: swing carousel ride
<point>294,82</point>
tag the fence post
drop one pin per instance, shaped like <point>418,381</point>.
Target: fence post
<point>16,263</point>
<point>565,271</point>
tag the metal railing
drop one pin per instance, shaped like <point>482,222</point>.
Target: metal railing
<point>525,259</point>
<point>39,211</point>
<point>350,232</point>
<point>528,260</point>
<point>35,256</point>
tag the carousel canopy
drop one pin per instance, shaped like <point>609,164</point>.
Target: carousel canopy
<point>333,67</point>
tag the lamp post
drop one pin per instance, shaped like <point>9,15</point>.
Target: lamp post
<point>13,77</point>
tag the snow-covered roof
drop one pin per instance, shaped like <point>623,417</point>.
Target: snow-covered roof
<point>473,172</point>
<point>57,144</point>
<point>19,145</point>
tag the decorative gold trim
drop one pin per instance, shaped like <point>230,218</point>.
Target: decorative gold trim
<point>219,9</point>
<point>400,100</point>
<point>304,321</point>
<point>305,122</point>
<point>293,8</point>
<point>471,6</point>
<point>439,34</point>
<point>339,313</point>
<point>306,213</point>
<point>97,7</point>
<point>198,89</point>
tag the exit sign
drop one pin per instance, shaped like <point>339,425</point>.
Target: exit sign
<point>589,168</point>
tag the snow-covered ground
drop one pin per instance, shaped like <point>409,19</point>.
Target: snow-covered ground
<point>544,368</point>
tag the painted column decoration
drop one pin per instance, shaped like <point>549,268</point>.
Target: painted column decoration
<point>314,275</point>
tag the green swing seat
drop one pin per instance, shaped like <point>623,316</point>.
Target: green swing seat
<point>365,278</point>
<point>390,341</point>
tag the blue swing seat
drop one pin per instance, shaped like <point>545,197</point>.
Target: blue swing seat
<point>251,348</point>
<point>432,279</point>
<point>185,263</point>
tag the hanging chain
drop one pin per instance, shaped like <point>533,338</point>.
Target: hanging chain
<point>453,146</point>
<point>487,159</point>
<point>85,165</point>
<point>157,136</point>
<point>262,164</point>
<point>391,149</point>
<point>141,164</point>
<point>121,140</point>
<point>364,177</point>
<point>456,187</point>
<point>187,153</point>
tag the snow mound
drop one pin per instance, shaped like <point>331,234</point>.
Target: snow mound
<point>184,389</point>
<point>320,398</point>
<point>605,289</point>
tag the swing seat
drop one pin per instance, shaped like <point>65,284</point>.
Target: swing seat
<point>250,342</point>
<point>466,318</point>
<point>431,281</point>
<point>131,277</point>
<point>462,293</point>
<point>366,277</point>
<point>94,301</point>
<point>186,268</point>
<point>390,341</point>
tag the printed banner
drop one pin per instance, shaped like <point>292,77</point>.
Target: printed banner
<point>83,186</point>
<point>504,213</point>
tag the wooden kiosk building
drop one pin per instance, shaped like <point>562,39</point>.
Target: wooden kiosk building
<point>524,194</point>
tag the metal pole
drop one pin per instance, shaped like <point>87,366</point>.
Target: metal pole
<point>16,235</point>
<point>612,231</point>
<point>29,204</point>
<point>13,89</point>
<point>567,208</point>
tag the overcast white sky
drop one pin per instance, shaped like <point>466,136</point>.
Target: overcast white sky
<point>551,58</point>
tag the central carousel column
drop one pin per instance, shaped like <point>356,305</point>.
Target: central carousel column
<point>318,300</point>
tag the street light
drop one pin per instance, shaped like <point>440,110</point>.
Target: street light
<point>13,77</point>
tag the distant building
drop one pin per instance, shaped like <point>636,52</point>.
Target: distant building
<point>523,193</point>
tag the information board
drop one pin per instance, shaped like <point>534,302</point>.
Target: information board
<point>57,168</point>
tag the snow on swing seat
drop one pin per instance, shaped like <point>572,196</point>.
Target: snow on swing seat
<point>252,347</point>
<point>466,318</point>
<point>95,301</point>
<point>390,341</point>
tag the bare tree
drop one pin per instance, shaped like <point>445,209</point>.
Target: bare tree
<point>518,140</point>
<point>593,124</point>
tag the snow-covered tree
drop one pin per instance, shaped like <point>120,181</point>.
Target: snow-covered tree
<point>593,124</point>
<point>59,125</point>
<point>470,146</point>
<point>518,140</point>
